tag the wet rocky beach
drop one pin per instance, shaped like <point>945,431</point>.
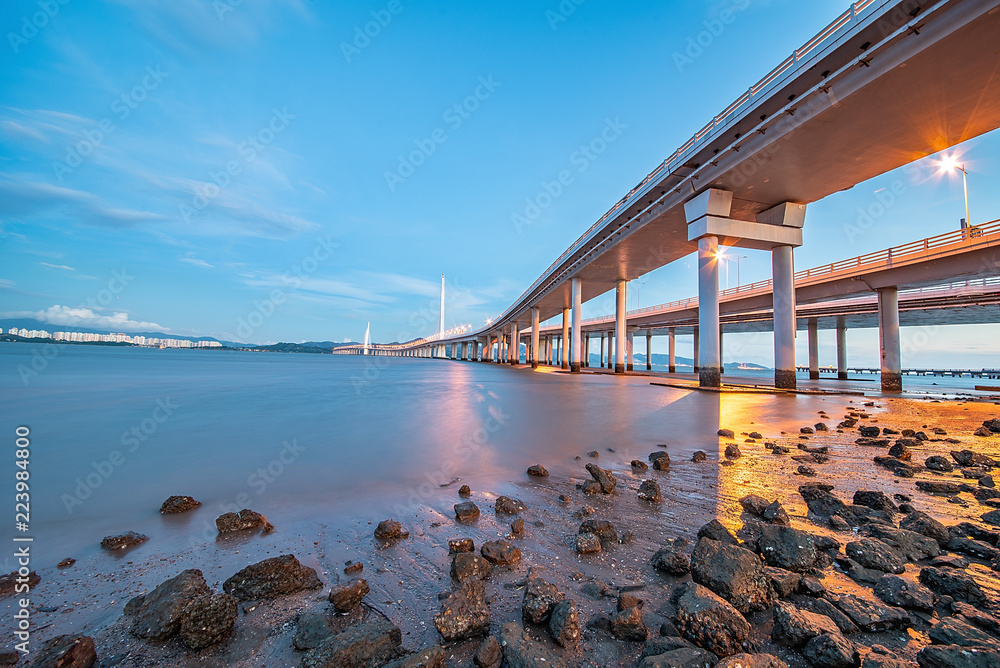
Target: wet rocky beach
<point>869,536</point>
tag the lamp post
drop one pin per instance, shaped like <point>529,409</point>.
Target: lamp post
<point>951,163</point>
<point>738,258</point>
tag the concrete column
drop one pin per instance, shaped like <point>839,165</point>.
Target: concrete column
<point>697,351</point>
<point>813,325</point>
<point>722,353</point>
<point>783,281</point>
<point>630,350</point>
<point>611,348</point>
<point>515,344</point>
<point>576,343</point>
<point>602,351</point>
<point>649,356</point>
<point>465,351</point>
<point>708,311</point>
<point>534,338</point>
<point>564,357</point>
<point>672,354</point>
<point>888,331</point>
<point>454,351</point>
<point>620,334</point>
<point>586,351</point>
<point>841,348</point>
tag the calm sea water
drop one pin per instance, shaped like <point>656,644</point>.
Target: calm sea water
<point>115,431</point>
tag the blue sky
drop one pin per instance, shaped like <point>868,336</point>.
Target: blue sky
<point>262,171</point>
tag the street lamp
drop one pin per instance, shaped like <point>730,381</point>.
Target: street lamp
<point>738,258</point>
<point>951,162</point>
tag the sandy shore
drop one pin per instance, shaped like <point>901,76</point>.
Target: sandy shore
<point>407,576</point>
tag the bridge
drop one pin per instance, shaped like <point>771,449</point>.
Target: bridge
<point>886,83</point>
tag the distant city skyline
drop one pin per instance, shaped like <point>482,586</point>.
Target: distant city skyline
<point>284,171</point>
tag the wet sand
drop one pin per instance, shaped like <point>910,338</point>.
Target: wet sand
<point>407,576</point>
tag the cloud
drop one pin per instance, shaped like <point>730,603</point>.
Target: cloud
<point>30,198</point>
<point>196,262</point>
<point>84,317</point>
<point>13,127</point>
<point>57,266</point>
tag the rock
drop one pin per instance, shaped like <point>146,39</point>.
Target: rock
<point>432,657</point>
<point>466,511</point>
<point>958,585</point>
<point>831,651</point>
<point>456,545</point>
<point>734,573</point>
<point>939,487</point>
<point>987,481</point>
<point>900,452</point>
<point>821,426</point>
<point>970,458</point>
<point>66,563</point>
<point>876,501</point>
<point>794,627</point>
<point>709,621</point>
<point>954,631</point>
<point>628,625</point>
<point>359,646</point>
<point>348,597</point>
<point>911,545</point>
<point>464,614</point>
<point>467,565</point>
<point>870,616</point>
<point>699,456</point>
<point>603,478</point>
<point>390,530</point>
<point>807,471</point>
<point>754,504</point>
<point>538,471</point>
<point>660,461</point>
<point>838,523</point>
<point>506,505</point>
<point>975,548</point>
<point>671,559</point>
<point>160,614</point>
<point>938,463</point>
<point>311,630</point>
<point>717,531</point>
<point>992,517</point>
<point>983,620</point>
<point>649,490</point>
<point>629,600</point>
<point>640,465</point>
<point>733,451</point>
<point>270,578</point>
<point>245,520</point>
<point>353,567</point>
<point>824,607</point>
<point>67,651</point>
<point>488,655</point>
<point>993,425</point>
<point>465,491</point>
<point>811,586</point>
<point>208,620</point>
<point>873,553</point>
<point>894,590</point>
<point>982,432</point>
<point>726,433</point>
<point>540,597</point>
<point>926,525</point>
<point>751,661</point>
<point>955,656</point>
<point>501,552</point>
<point>178,504</point>
<point>788,548</point>
<point>950,561</point>
<point>784,583</point>
<point>775,514</point>
<point>520,651</point>
<point>564,625</point>
<point>590,487</point>
<point>820,500</point>
<point>517,527</point>
<point>123,541</point>
<point>682,657</point>
<point>869,432</point>
<point>604,530</point>
<point>9,582</point>
<point>593,454</point>
<point>806,430</point>
<point>588,543</point>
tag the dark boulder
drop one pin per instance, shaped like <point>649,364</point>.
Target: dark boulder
<point>672,559</point>
<point>926,525</point>
<point>649,490</point>
<point>716,530</point>
<point>734,573</point>
<point>467,511</point>
<point>939,463</point>
<point>360,646</point>
<point>489,654</point>
<point>540,597</point>
<point>456,545</point>
<point>311,631</point>
<point>538,471</point>
<point>873,553</point>
<point>520,651</point>
<point>604,478</point>
<point>506,505</point>
<point>956,656</point>
<point>208,620</point>
<point>954,631</point>
<point>958,585</point>
<point>902,593</point>
<point>270,578</point>
<point>709,621</point>
<point>67,651</point>
<point>468,565</point>
<point>832,651</point>
<point>660,461</point>
<point>390,530</point>
<point>788,548</point>
<point>123,541</point>
<point>178,504</point>
<point>628,625</point>
<point>431,657</point>
<point>161,612</point>
<point>604,530</point>
<point>871,616</point>
<point>465,613</point>
<point>913,546</point>
<point>754,504</point>
<point>794,627</point>
<point>564,624</point>
<point>876,501</point>
<point>245,520</point>
<point>347,597</point>
<point>501,552</point>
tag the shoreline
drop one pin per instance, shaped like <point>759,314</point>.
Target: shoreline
<point>89,596</point>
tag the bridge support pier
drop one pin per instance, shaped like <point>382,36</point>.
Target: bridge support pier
<point>515,345</point>
<point>841,348</point>
<point>585,362</point>
<point>708,311</point>
<point>630,350</point>
<point>649,355</point>
<point>672,350</point>
<point>601,354</point>
<point>465,351</point>
<point>611,355</point>
<point>783,281</point>
<point>813,325</point>
<point>888,331</point>
<point>534,338</point>
<point>576,343</point>
<point>620,313</point>
<point>564,349</point>
<point>697,351</point>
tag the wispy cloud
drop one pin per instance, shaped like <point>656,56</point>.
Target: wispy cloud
<point>84,317</point>
<point>57,266</point>
<point>20,198</point>
<point>196,262</point>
